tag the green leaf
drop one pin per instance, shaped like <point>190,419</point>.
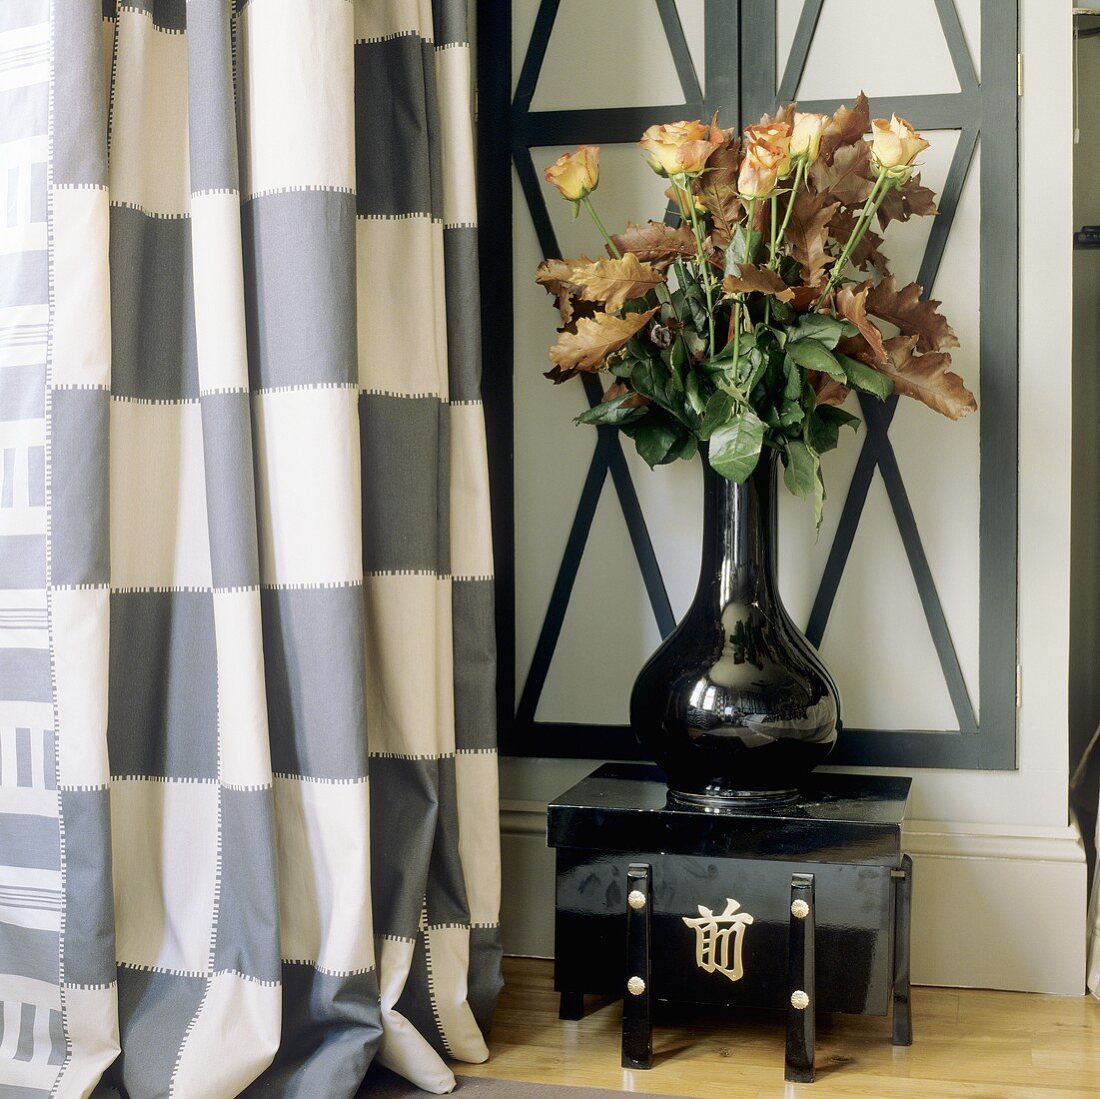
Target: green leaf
<point>802,465</point>
<point>812,355</point>
<point>817,326</point>
<point>735,447</point>
<point>741,249</point>
<point>611,412</point>
<point>840,416</point>
<point>677,354</point>
<point>823,427</point>
<point>718,411</point>
<point>654,438</point>
<point>696,402</point>
<point>750,365</point>
<point>652,379</point>
<point>819,499</point>
<point>860,376</point>
<point>688,448</point>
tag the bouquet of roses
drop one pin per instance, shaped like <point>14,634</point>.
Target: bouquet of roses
<point>743,325</point>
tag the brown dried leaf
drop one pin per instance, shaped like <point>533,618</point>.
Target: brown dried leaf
<point>716,190</point>
<point>804,298</point>
<point>595,338</point>
<point>866,253</point>
<point>636,400</point>
<point>912,315</point>
<point>847,178</point>
<point>759,279</point>
<point>615,281</point>
<point>557,276</point>
<point>912,199</point>
<point>852,306</point>
<point>808,232</point>
<point>926,378</point>
<point>656,243</point>
<point>784,115</point>
<point>848,126</point>
<point>827,390</point>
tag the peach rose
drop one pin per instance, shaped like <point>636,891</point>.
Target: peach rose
<point>806,135</point>
<point>894,146</point>
<point>681,148</point>
<point>771,145</point>
<point>577,174</point>
<point>756,179</point>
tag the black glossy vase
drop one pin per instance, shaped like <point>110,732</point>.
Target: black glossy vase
<point>736,704</point>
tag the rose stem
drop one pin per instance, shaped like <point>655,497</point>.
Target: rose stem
<point>701,260</point>
<point>586,202</point>
<point>870,207</point>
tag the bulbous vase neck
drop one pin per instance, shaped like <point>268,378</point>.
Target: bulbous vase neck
<point>739,537</point>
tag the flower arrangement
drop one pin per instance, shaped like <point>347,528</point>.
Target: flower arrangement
<point>743,326</point>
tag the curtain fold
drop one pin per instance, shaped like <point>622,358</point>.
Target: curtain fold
<point>239,364</point>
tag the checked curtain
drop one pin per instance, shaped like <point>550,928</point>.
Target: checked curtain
<point>248,807</point>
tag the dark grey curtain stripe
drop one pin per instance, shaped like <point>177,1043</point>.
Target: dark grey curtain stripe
<point>404,818</point>
<point>248,925</point>
<point>398,155</point>
<point>153,354</point>
<point>230,489</point>
<point>89,944</point>
<point>299,268</point>
<point>463,321</point>
<point>330,1034</point>
<point>405,445</point>
<point>163,702</point>
<point>81,498</point>
<point>316,705</point>
<point>211,106</point>
<point>475,664</point>
<point>79,152</point>
<point>445,895</point>
<point>169,15</point>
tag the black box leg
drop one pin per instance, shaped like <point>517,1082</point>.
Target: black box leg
<point>801,1003</point>
<point>637,1024</point>
<point>572,1005</point>
<point>903,923</point>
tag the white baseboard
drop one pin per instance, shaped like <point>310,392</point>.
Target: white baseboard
<point>993,906</point>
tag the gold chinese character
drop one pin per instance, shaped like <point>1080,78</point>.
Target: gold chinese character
<point>712,939</point>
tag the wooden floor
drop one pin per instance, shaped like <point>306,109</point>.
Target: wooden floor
<point>994,1045</point>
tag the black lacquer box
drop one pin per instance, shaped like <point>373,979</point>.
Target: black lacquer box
<point>802,906</point>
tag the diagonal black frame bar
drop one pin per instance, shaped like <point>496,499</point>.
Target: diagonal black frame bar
<point>878,452</point>
<point>741,78</point>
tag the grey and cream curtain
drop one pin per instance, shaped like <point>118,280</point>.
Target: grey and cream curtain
<point>248,833</point>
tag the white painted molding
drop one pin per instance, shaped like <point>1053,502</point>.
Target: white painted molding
<point>937,839</point>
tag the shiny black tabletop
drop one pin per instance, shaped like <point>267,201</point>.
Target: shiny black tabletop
<point>836,818</point>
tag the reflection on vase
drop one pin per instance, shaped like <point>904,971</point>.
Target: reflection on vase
<point>736,703</point>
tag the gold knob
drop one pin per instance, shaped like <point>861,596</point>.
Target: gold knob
<point>636,899</point>
<point>800,1000</point>
<point>800,909</point>
<point>635,986</point>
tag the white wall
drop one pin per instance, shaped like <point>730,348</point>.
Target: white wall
<point>996,856</point>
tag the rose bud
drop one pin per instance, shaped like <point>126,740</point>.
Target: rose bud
<point>577,174</point>
<point>894,145</point>
<point>806,135</point>
<point>757,179</point>
<point>681,148</point>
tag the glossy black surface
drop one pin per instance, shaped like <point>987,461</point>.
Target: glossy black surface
<point>736,703</point>
<point>845,830</point>
<point>627,807</point>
